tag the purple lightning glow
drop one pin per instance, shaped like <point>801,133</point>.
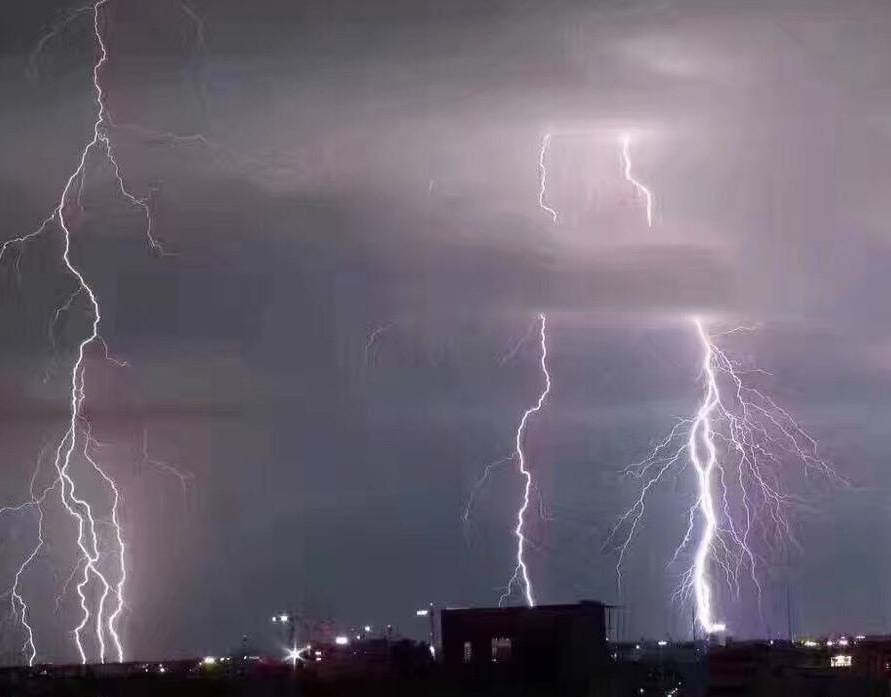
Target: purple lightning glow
<point>477,487</point>
<point>521,571</point>
<point>640,188</point>
<point>101,563</point>
<point>373,336</point>
<point>740,444</point>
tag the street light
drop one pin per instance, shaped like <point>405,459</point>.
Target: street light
<point>290,620</point>
<point>430,612</point>
<point>294,655</point>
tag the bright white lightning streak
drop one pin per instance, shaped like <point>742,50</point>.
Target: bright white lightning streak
<point>701,434</point>
<point>640,188</point>
<point>543,177</point>
<point>739,443</point>
<point>78,508</point>
<point>522,571</point>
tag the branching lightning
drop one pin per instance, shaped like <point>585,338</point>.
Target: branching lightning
<point>520,575</point>
<point>640,188</point>
<point>478,486</point>
<point>511,353</point>
<point>740,444</point>
<point>521,571</point>
<point>100,568</point>
<point>185,478</point>
<point>373,336</point>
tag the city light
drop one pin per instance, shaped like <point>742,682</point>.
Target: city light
<point>209,661</point>
<point>662,642</point>
<point>422,613</point>
<point>293,655</point>
<point>341,640</point>
<point>841,660</point>
<point>367,628</point>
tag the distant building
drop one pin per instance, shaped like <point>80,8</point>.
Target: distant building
<point>548,642</point>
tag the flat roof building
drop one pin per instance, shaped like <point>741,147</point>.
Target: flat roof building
<point>547,642</point>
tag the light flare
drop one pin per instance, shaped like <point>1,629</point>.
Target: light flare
<point>296,655</point>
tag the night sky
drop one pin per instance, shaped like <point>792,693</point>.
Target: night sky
<point>373,165</point>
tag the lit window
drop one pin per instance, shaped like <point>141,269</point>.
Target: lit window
<point>500,649</point>
<point>468,651</point>
<point>842,660</point>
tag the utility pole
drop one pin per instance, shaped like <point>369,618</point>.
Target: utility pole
<point>788,611</point>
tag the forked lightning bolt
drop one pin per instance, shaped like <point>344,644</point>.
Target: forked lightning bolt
<point>96,556</point>
<point>521,571</point>
<point>740,445</point>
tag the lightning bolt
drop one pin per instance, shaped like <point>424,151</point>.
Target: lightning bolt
<point>702,436</point>
<point>477,487</point>
<point>640,188</point>
<point>740,444</point>
<point>185,478</point>
<point>625,142</point>
<point>511,353</point>
<point>19,606</point>
<point>104,613</point>
<point>374,335</point>
<point>521,571</point>
<point>543,177</point>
